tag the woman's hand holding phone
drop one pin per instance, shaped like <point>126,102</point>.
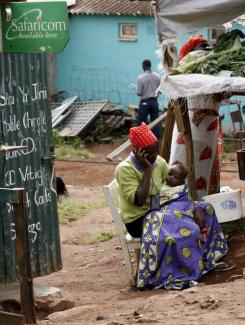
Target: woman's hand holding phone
<point>141,156</point>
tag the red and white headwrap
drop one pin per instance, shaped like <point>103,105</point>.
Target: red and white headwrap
<point>142,136</point>
<point>190,44</point>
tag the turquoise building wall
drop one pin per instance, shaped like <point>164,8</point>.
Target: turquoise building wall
<point>96,64</point>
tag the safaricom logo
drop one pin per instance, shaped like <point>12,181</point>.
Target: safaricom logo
<point>30,25</point>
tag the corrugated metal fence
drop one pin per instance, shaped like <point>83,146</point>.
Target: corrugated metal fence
<point>25,119</point>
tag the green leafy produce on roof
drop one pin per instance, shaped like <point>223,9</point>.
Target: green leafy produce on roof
<point>228,54</point>
<point>230,40</point>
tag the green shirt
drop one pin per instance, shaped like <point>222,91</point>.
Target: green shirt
<point>129,178</point>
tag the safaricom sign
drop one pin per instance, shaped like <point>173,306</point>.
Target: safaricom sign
<point>36,29</point>
<point>45,26</point>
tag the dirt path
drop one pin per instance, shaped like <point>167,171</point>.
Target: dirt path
<point>94,276</point>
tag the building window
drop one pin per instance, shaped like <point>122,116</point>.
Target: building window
<point>128,32</point>
<point>214,34</point>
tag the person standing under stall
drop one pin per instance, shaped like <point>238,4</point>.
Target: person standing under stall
<point>147,85</point>
<point>205,128</point>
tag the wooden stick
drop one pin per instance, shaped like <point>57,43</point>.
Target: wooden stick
<point>165,148</point>
<point>11,319</point>
<point>10,148</point>
<point>23,257</point>
<point>118,150</point>
<point>127,144</point>
<point>183,124</point>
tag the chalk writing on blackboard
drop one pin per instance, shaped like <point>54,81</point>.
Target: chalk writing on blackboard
<point>32,94</point>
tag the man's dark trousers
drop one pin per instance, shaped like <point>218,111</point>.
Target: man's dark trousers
<point>149,107</point>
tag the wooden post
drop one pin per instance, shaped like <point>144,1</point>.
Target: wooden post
<point>23,256</point>
<point>165,148</point>
<point>183,124</point>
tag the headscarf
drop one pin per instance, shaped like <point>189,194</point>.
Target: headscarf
<point>190,44</point>
<point>142,136</point>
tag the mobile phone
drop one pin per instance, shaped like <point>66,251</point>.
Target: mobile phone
<point>155,202</point>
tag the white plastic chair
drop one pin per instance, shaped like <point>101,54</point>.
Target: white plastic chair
<point>127,241</point>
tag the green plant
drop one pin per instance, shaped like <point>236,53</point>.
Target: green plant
<point>102,236</point>
<point>58,140</point>
<point>70,210</point>
<point>67,151</point>
<point>69,147</point>
<point>229,146</point>
<point>233,227</point>
<point>75,142</point>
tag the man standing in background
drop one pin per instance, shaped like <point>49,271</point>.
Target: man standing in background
<point>147,84</point>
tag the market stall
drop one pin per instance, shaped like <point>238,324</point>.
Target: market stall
<point>179,88</point>
<point>199,74</point>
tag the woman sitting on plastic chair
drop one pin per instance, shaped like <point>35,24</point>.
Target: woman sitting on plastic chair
<point>172,254</point>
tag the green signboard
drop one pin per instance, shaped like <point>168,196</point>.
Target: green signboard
<point>34,27</point>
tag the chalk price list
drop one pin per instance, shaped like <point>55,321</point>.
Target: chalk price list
<point>26,173</point>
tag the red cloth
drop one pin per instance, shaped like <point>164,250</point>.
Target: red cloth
<point>190,44</point>
<point>142,136</point>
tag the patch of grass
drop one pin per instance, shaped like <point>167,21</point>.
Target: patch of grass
<point>68,151</point>
<point>69,147</point>
<point>229,146</point>
<point>101,204</point>
<point>58,140</point>
<point>233,227</point>
<point>102,236</point>
<point>229,143</point>
<point>70,210</point>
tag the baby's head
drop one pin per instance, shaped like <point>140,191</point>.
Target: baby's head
<point>176,175</point>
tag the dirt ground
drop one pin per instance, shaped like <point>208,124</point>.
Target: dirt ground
<point>94,276</point>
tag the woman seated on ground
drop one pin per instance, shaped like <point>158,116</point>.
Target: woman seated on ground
<point>172,253</point>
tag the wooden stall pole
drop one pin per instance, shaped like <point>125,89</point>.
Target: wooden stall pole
<point>183,125</point>
<point>165,147</point>
<point>23,256</point>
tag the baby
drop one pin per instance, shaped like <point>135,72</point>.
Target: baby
<point>175,182</point>
<point>176,175</point>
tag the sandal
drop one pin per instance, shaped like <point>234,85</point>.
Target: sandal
<point>224,266</point>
